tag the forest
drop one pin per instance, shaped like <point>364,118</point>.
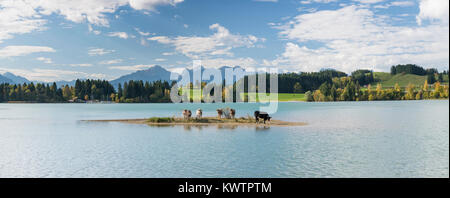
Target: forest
<point>87,90</point>
<point>325,85</point>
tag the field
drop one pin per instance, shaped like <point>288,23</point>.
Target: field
<point>284,97</point>
<point>387,80</point>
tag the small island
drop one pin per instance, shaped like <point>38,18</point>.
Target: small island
<point>205,121</point>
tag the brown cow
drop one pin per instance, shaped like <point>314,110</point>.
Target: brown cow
<point>199,113</point>
<point>187,114</point>
<point>219,113</point>
<point>232,113</point>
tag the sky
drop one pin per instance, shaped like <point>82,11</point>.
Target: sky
<point>51,40</point>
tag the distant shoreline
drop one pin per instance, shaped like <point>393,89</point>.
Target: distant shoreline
<point>21,102</point>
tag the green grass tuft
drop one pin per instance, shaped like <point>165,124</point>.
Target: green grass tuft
<point>161,120</point>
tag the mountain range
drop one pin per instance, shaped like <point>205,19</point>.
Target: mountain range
<point>151,74</point>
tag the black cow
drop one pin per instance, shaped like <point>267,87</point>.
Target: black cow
<point>263,115</point>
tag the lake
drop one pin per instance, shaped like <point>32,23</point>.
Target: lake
<point>342,139</point>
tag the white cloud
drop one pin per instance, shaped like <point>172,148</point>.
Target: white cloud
<point>81,65</point>
<point>433,10</point>
<point>219,62</point>
<point>131,67</point>
<point>369,1</point>
<point>402,3</point>
<point>96,32</point>
<point>22,50</point>
<point>99,51</point>
<point>220,43</point>
<point>18,21</point>
<point>142,33</point>
<point>395,3</point>
<point>45,60</point>
<point>122,35</point>
<point>160,59</point>
<point>25,16</point>
<point>151,4</point>
<point>168,53</point>
<point>274,1</point>
<point>317,1</point>
<point>111,62</point>
<point>353,37</point>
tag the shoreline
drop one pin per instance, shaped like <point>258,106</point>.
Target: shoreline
<point>109,103</point>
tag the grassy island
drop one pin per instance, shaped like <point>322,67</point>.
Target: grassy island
<point>242,121</point>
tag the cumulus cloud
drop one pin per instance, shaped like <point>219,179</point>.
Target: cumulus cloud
<point>18,21</point>
<point>220,43</point>
<point>433,10</point>
<point>354,37</point>
<point>22,50</point>
<point>25,16</point>
<point>151,4</point>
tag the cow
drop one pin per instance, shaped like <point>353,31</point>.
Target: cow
<point>187,114</point>
<point>199,113</point>
<point>219,113</point>
<point>232,113</point>
<point>263,115</point>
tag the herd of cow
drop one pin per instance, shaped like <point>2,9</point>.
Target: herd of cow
<point>227,113</point>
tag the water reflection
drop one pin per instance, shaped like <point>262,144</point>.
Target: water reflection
<point>262,128</point>
<point>190,127</point>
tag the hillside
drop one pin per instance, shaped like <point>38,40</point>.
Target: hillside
<point>16,79</point>
<point>388,80</point>
<point>3,79</point>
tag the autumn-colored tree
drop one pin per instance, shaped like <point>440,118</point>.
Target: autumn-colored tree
<point>425,86</point>
<point>410,92</point>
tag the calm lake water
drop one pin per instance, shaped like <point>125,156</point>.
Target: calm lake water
<point>348,139</point>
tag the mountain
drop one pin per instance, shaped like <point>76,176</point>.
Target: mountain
<point>152,74</point>
<point>158,73</point>
<point>64,83</point>
<point>3,79</point>
<point>16,79</point>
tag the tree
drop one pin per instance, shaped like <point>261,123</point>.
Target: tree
<point>425,86</point>
<point>419,95</point>
<point>67,93</point>
<point>308,96</point>
<point>393,70</point>
<point>431,79</point>
<point>410,92</point>
<point>298,88</point>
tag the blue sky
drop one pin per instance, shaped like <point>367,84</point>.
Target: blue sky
<point>50,40</point>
